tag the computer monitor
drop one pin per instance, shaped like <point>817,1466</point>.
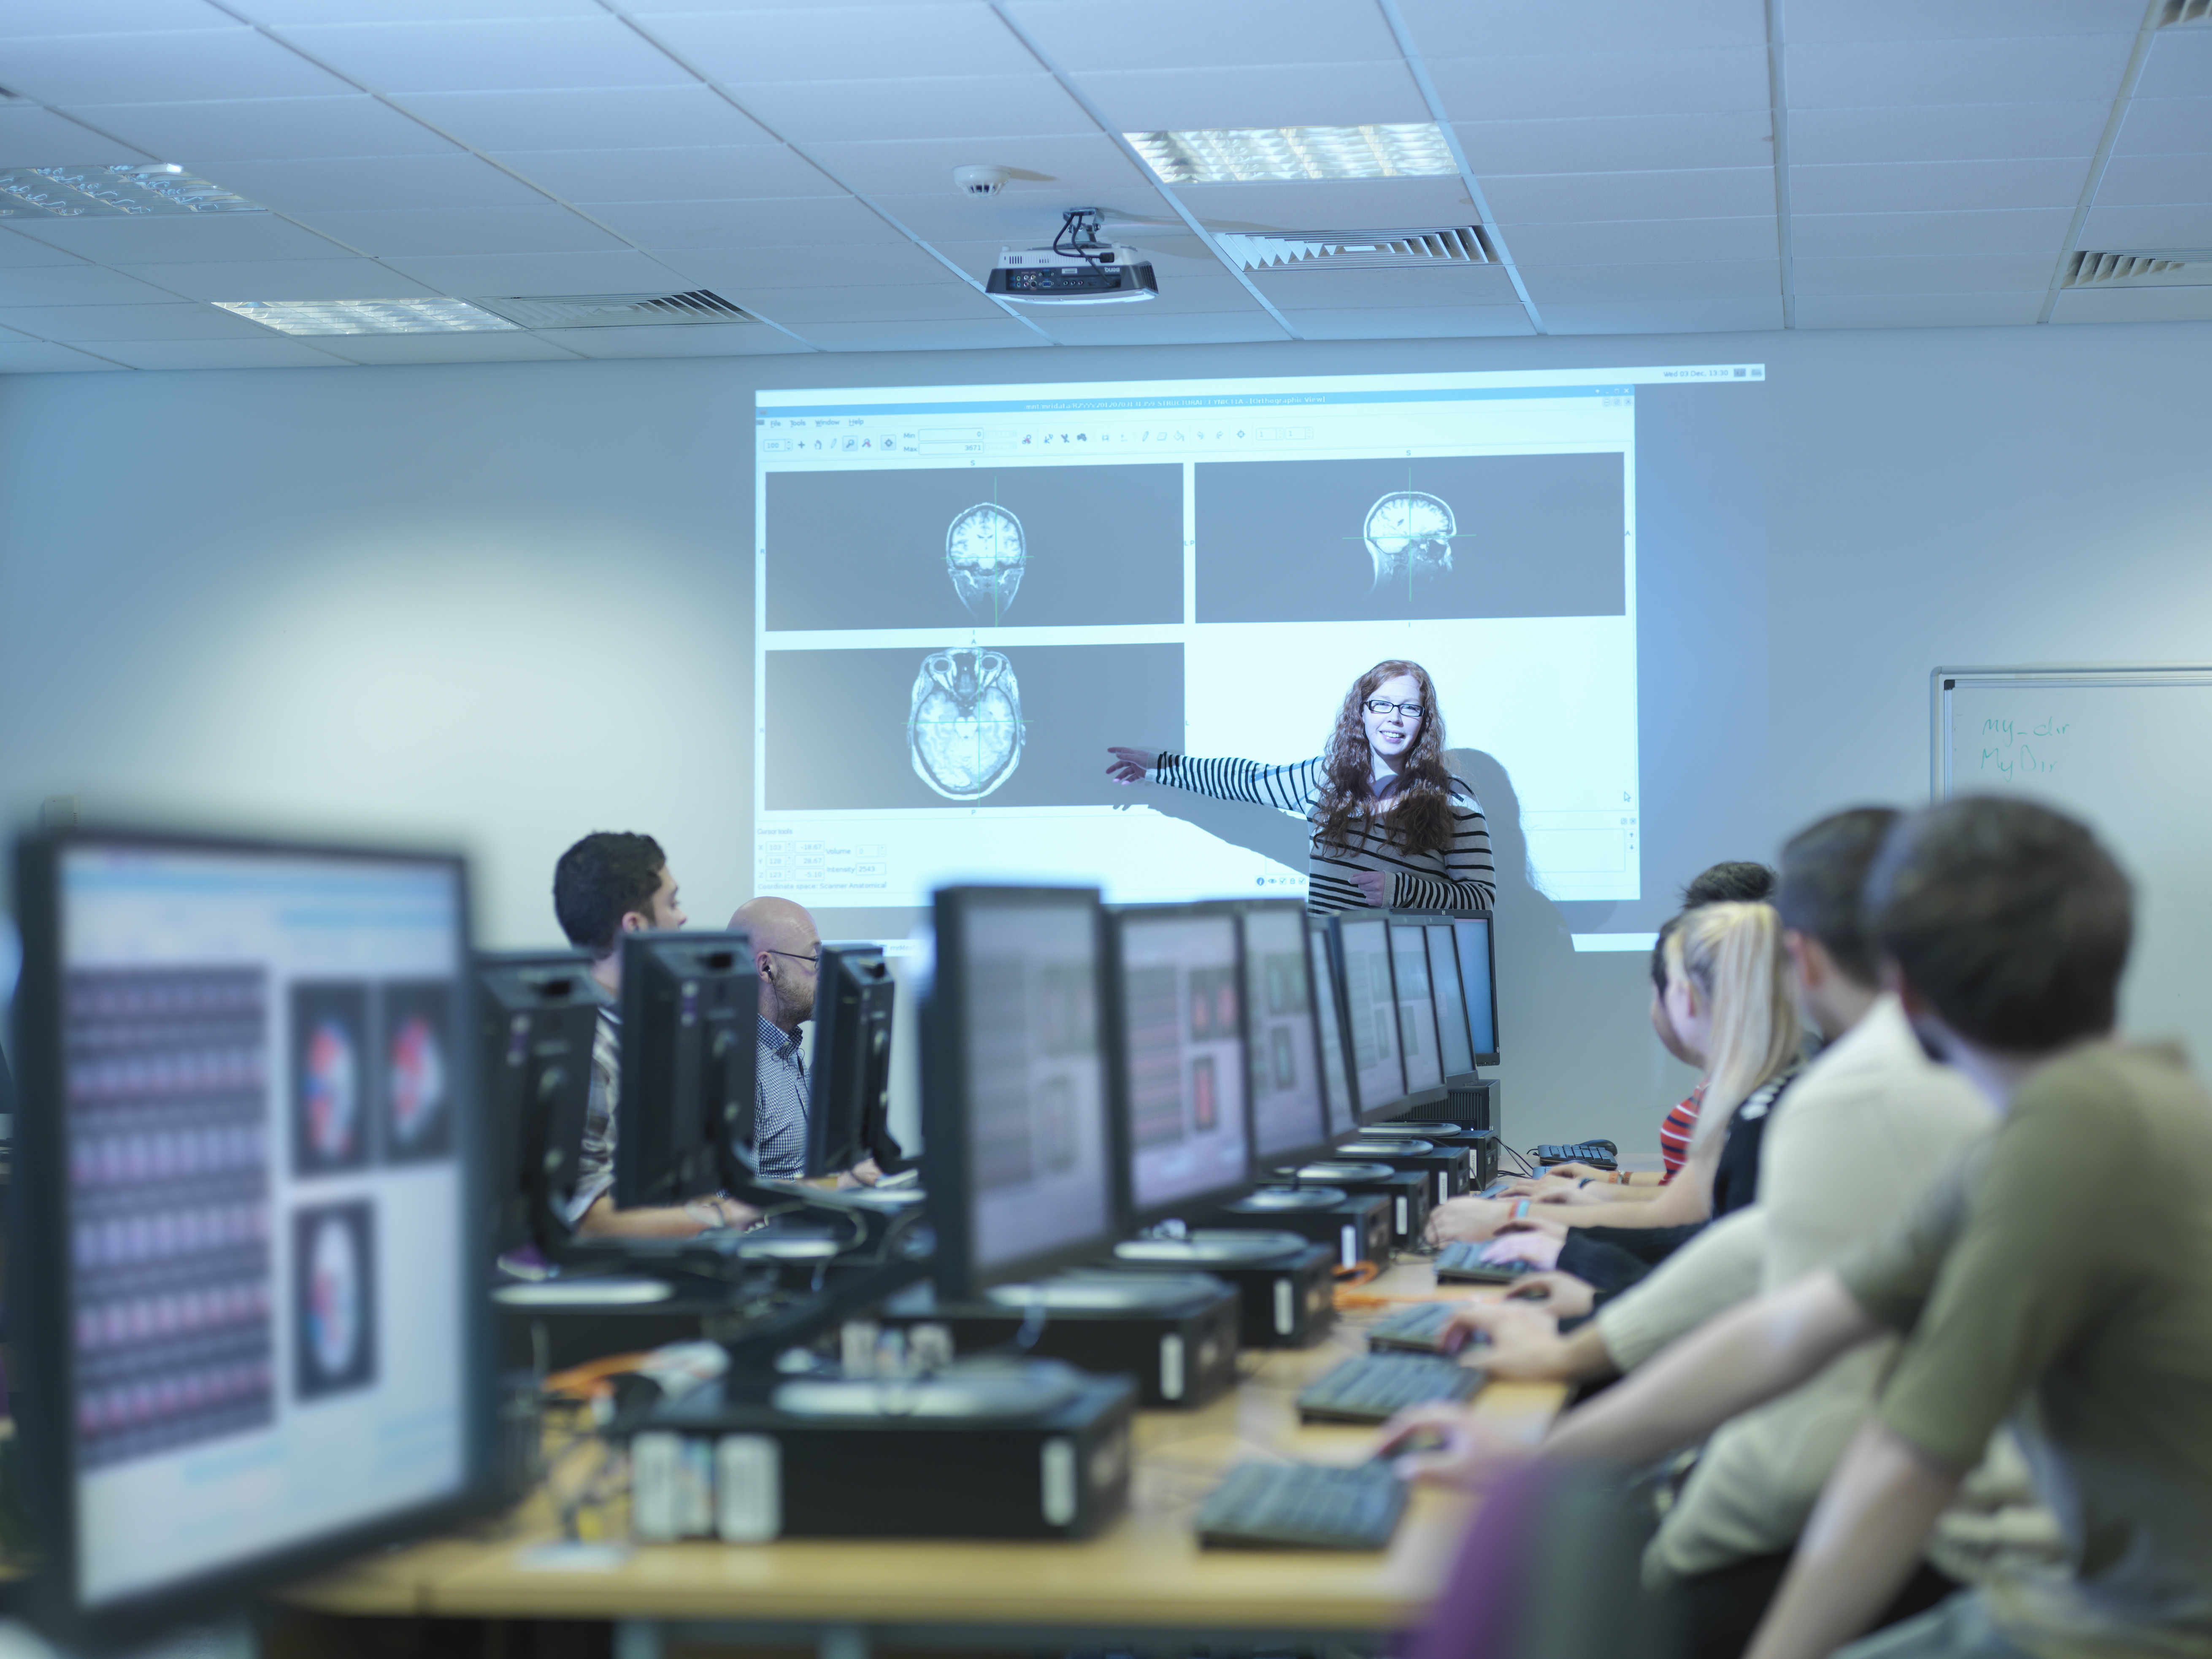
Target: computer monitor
<point>1361,946</point>
<point>537,1014</point>
<point>1478,983</point>
<point>1329,1018</point>
<point>1177,1059</point>
<point>1417,1008</point>
<point>848,1086</point>
<point>1016,1150</point>
<point>684,1115</point>
<point>248,1167</point>
<point>1289,1103</point>
<point>1456,1043</point>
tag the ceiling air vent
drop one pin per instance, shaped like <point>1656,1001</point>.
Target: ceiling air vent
<point>2163,268</point>
<point>2185,11</point>
<point>615,310</point>
<point>1459,245</point>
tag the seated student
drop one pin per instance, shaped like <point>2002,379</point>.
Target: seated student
<point>1870,1124</point>
<point>606,885</point>
<point>787,954</point>
<point>2060,1275</point>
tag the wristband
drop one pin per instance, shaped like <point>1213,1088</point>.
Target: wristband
<point>1521,1211</point>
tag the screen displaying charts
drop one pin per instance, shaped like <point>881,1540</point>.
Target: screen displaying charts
<point>991,584</point>
<point>1287,1100</point>
<point>1370,1012</point>
<point>1417,1007</point>
<point>1183,1055</point>
<point>269,1215</point>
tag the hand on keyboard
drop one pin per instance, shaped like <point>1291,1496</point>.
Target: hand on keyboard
<point>1523,1337</point>
<point>1561,1295</point>
<point>1448,1445</point>
<point>1467,1218</point>
<point>1539,1249</point>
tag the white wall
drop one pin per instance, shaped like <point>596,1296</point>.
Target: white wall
<point>500,604</point>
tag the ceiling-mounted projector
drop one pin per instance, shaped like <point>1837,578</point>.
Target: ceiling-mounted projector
<point>1077,269</point>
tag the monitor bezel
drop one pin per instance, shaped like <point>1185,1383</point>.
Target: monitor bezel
<point>828,1027</point>
<point>1489,920</point>
<point>1302,1152</point>
<point>1367,1112</point>
<point>719,1130</point>
<point>37,1220</point>
<point>946,1170</point>
<point>1205,1200</point>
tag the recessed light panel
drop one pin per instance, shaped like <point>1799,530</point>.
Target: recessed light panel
<point>367,316</point>
<point>1259,154</point>
<point>112,190</point>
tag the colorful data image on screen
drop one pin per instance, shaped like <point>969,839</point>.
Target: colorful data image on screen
<point>332,1074</point>
<point>418,1080</point>
<point>334,1298</point>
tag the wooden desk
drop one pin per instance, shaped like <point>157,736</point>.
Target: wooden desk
<point>1144,1577</point>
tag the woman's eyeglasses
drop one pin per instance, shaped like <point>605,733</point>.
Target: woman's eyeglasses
<point>1381,706</point>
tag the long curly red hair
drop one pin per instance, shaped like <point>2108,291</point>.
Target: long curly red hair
<point>1420,820</point>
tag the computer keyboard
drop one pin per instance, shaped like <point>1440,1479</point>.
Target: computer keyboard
<point>1462,1264</point>
<point>1302,1506</point>
<point>1376,1388</point>
<point>1598,1154</point>
<point>1417,1329</point>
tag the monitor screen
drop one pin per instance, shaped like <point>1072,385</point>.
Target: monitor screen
<point>1370,1012</point>
<point>1336,1082</point>
<point>1183,1055</point>
<point>258,1072</point>
<point>1038,1161</point>
<point>1417,1007</point>
<point>1451,1002</point>
<point>1288,1109</point>
<point>1478,985</point>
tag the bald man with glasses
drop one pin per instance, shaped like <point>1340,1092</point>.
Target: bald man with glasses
<point>787,954</point>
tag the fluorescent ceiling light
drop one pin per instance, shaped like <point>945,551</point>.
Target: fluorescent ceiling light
<point>1249,154</point>
<point>616,310</point>
<point>112,190</point>
<point>367,316</point>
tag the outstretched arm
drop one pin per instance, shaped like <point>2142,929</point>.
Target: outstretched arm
<point>1290,788</point>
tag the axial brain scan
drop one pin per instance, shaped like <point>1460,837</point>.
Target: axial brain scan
<point>985,554</point>
<point>964,723</point>
<point>1409,534</point>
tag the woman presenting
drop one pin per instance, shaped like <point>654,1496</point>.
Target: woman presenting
<point>1392,828</point>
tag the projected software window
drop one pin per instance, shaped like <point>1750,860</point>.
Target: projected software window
<point>964,594</point>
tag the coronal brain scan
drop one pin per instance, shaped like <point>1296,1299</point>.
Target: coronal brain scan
<point>985,554</point>
<point>964,723</point>
<point>1409,535</point>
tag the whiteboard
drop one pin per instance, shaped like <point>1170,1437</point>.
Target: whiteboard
<point>2118,747</point>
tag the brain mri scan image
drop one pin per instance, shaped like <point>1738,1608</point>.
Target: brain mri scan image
<point>1409,536</point>
<point>964,723</point>
<point>334,1298</point>
<point>985,554</point>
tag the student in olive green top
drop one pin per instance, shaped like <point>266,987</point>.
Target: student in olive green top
<point>2060,1275</point>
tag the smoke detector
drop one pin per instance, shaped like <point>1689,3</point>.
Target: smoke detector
<point>981,182</point>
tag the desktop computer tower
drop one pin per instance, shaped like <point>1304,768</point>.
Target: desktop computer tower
<point>1356,1226</point>
<point>1474,1102</point>
<point>1447,1168</point>
<point>1285,1284</point>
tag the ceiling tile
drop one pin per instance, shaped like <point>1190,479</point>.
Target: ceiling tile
<point>543,229</point>
<point>2051,70</point>
<point>524,274</point>
<point>1589,85</point>
<point>1027,220</point>
<point>590,118</point>
<point>1681,279</point>
<point>217,354</point>
<point>830,267</point>
<point>516,347</point>
<point>1067,163</point>
<point>15,250</point>
<point>1666,317</point>
<point>750,172</point>
<point>700,340</point>
<point>2172,226</point>
<point>196,236</point>
<point>1643,241</point>
<point>939,107</point>
<point>74,285</point>
<point>2133,305</point>
<point>1957,20</point>
<point>1413,323</point>
<point>1937,187</point>
<point>1950,133</point>
<point>175,320</point>
<point>22,18</point>
<point>1477,28</point>
<point>376,183</point>
<point>38,357</point>
<point>34,138</point>
<point>1544,198</point>
<point>1742,138</point>
<point>282,279</point>
<point>2161,126</point>
<point>863,42</point>
<point>2179,65</point>
<point>1148,326</point>
<point>1331,204</point>
<point>491,54</point>
<point>1993,273</point>
<point>182,64</point>
<point>919,336</point>
<point>1918,310</point>
<point>1144,34</point>
<point>284,12</point>
<point>1842,235</point>
<point>2145,180</point>
<point>209,135</point>
<point>800,307</point>
<point>801,221</point>
<point>1354,289</point>
<point>1299,95</point>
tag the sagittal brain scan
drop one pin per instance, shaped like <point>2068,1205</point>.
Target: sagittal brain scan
<point>985,554</point>
<point>334,1295</point>
<point>1409,536</point>
<point>964,723</point>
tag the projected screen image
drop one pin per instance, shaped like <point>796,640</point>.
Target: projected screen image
<point>989,585</point>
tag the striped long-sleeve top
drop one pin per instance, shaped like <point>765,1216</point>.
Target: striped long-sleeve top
<point>1457,876</point>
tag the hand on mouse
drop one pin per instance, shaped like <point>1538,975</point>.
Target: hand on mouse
<point>1561,1295</point>
<point>1447,1445</point>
